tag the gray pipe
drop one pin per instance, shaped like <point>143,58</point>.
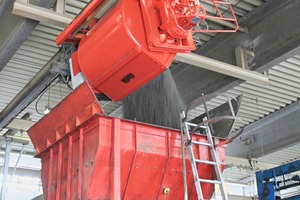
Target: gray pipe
<point>5,6</point>
<point>5,170</point>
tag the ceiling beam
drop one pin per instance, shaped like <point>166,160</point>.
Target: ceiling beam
<point>272,133</point>
<point>222,68</point>
<point>15,139</point>
<point>17,125</point>
<point>20,124</point>
<point>41,14</point>
<point>247,163</point>
<point>272,36</point>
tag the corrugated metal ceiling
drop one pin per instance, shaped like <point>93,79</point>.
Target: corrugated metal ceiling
<point>246,174</point>
<point>259,101</point>
<point>40,47</point>
<point>283,156</point>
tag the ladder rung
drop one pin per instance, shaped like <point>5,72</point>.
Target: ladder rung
<point>201,143</point>
<point>210,181</point>
<point>205,162</point>
<point>194,125</point>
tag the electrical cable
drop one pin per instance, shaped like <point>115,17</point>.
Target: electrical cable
<point>66,82</point>
<point>49,96</point>
<point>41,95</point>
<point>71,89</point>
<point>48,89</point>
<point>60,93</point>
<point>207,27</point>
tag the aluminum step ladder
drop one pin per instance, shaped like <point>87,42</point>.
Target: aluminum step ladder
<point>186,126</point>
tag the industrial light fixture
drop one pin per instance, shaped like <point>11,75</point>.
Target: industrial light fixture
<point>47,109</point>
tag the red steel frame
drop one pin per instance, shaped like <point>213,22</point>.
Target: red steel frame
<point>233,18</point>
<point>87,14</point>
<point>68,33</point>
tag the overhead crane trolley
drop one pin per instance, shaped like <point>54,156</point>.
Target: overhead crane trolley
<point>120,45</point>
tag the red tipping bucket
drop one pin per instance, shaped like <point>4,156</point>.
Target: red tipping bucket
<point>124,49</point>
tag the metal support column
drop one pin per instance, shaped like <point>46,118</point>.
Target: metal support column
<point>185,195</point>
<point>17,162</point>
<point>5,169</point>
